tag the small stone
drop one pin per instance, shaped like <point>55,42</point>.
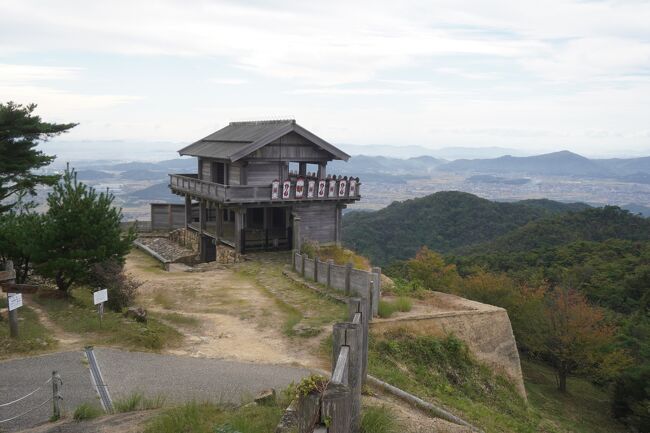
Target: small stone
<point>137,313</point>
<point>265,397</point>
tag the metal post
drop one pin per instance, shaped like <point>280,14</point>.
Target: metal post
<point>100,311</point>
<point>56,395</point>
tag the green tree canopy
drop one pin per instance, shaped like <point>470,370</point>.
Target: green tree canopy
<point>81,229</point>
<point>20,132</point>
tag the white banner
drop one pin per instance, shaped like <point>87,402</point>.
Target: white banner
<point>275,190</point>
<point>332,188</point>
<point>311,186</point>
<point>353,187</point>
<point>321,188</point>
<point>300,187</point>
<point>286,189</point>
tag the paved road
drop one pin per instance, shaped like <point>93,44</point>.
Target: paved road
<point>177,378</point>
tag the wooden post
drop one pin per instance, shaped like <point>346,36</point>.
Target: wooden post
<point>302,265</point>
<point>316,261</point>
<point>56,395</point>
<point>376,271</point>
<point>361,305</point>
<point>297,241</point>
<point>330,262</point>
<point>351,335</point>
<point>335,412</point>
<point>348,272</point>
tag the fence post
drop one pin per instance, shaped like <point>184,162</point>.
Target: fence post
<point>376,290</point>
<point>302,269</point>
<point>293,259</point>
<point>348,272</point>
<point>335,411</point>
<point>56,395</point>
<point>361,305</point>
<point>330,262</point>
<point>351,335</point>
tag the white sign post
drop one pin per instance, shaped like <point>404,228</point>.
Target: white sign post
<point>15,300</point>
<point>99,297</point>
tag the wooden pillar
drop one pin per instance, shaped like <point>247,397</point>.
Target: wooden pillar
<point>240,225</point>
<point>202,216</point>
<point>338,217</point>
<point>188,211</point>
<point>302,169</point>
<point>322,170</point>
<point>218,222</point>
<point>297,240</point>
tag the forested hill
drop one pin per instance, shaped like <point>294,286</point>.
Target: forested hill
<point>589,225</point>
<point>442,221</point>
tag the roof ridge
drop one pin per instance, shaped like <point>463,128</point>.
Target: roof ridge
<point>263,122</point>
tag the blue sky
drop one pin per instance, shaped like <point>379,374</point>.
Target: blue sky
<point>535,76</point>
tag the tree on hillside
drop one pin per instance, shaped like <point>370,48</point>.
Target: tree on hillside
<point>81,229</point>
<point>20,240</point>
<point>430,269</point>
<point>20,132</point>
<point>575,335</point>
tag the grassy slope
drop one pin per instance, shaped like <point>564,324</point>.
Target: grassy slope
<point>441,370</point>
<point>33,337</point>
<point>79,316</point>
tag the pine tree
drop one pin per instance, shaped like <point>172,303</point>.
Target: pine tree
<point>20,132</point>
<point>81,229</point>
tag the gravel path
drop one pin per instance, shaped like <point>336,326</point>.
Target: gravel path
<point>176,378</point>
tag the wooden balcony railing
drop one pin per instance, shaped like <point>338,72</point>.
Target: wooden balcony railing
<point>333,189</point>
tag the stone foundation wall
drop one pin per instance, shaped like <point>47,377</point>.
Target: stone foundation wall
<point>187,238</point>
<point>227,254</point>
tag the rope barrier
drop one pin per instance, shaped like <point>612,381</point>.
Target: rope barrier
<point>26,412</point>
<point>25,396</point>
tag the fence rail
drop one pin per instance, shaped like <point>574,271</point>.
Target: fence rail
<point>350,281</point>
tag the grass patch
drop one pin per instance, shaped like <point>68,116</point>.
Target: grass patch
<point>378,419</point>
<point>386,309</point>
<point>79,315</point>
<point>32,335</point>
<point>338,254</point>
<point>403,304</point>
<point>181,319</point>
<point>196,417</point>
<point>137,401</point>
<point>86,411</point>
<point>584,409</point>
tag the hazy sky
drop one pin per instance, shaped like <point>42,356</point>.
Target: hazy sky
<point>533,75</point>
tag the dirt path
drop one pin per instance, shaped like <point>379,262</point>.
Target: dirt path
<point>65,340</point>
<point>222,311</point>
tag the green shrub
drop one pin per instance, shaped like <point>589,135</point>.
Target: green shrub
<point>403,304</point>
<point>386,309</point>
<point>86,411</point>
<point>378,420</point>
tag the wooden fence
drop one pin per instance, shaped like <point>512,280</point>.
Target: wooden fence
<point>352,282</point>
<point>338,408</point>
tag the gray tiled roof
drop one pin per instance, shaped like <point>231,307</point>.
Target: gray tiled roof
<point>239,139</point>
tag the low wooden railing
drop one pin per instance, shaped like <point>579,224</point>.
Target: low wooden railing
<point>191,184</point>
<point>338,408</point>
